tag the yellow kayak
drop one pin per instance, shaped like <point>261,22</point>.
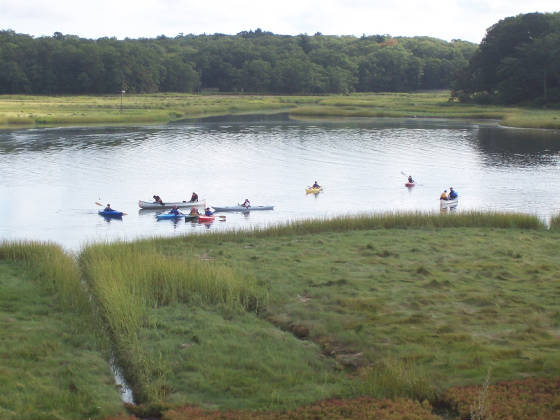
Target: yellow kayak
<point>311,190</point>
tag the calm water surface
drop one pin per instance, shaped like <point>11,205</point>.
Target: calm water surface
<point>51,178</point>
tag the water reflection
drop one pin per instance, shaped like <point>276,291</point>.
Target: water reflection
<point>517,147</point>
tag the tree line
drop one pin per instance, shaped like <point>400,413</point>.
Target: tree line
<point>253,61</point>
<point>517,62</point>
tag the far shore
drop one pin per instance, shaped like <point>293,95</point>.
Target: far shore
<point>24,111</point>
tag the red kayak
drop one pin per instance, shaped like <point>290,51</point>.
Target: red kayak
<point>203,219</point>
<point>409,184</point>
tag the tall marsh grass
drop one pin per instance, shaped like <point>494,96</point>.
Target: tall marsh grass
<point>392,378</point>
<point>18,110</point>
<point>555,222</point>
<point>129,281</point>
<point>53,269</point>
<point>366,221</point>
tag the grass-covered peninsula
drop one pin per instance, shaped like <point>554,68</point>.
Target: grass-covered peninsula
<point>384,315</point>
<point>31,111</point>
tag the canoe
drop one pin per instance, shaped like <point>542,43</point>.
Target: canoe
<point>205,219</point>
<point>110,213</point>
<point>448,203</point>
<point>152,205</point>
<point>311,190</point>
<point>409,184</point>
<point>169,216</point>
<point>242,208</point>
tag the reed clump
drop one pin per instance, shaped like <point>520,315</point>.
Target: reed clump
<point>392,378</point>
<point>53,269</point>
<point>555,222</point>
<point>51,353</point>
<point>129,283</point>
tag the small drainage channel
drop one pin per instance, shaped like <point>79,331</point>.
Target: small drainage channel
<point>126,392</point>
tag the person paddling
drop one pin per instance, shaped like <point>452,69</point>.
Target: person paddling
<point>443,195</point>
<point>108,208</point>
<point>246,203</point>
<point>174,210</point>
<point>194,211</point>
<point>208,212</point>
<point>316,185</point>
<point>452,194</point>
<point>410,180</point>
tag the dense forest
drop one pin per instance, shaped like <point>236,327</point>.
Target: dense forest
<point>517,62</point>
<point>254,61</point>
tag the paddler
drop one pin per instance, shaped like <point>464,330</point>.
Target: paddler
<point>174,210</point>
<point>443,195</point>
<point>452,194</point>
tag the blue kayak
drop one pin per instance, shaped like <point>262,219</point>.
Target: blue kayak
<point>169,216</point>
<point>110,213</point>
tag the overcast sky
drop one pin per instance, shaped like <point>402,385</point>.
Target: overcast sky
<point>444,19</point>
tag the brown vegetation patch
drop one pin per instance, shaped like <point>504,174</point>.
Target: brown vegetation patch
<point>531,398</point>
<point>362,408</point>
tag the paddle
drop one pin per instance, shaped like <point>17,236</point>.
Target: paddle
<point>99,204</point>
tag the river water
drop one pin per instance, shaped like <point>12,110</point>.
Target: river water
<point>51,178</point>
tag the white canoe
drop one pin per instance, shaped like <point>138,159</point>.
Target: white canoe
<point>167,205</point>
<point>448,203</point>
<point>242,208</point>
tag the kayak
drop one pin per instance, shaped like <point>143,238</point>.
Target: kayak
<point>110,213</point>
<point>409,184</point>
<point>448,203</point>
<point>189,218</point>
<point>204,219</point>
<point>311,190</point>
<point>242,208</point>
<point>152,205</point>
<point>169,216</point>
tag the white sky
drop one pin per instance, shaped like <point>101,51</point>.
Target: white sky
<point>444,19</point>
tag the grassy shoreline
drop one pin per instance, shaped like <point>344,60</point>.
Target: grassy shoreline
<point>52,363</point>
<point>322,316</point>
<point>21,111</point>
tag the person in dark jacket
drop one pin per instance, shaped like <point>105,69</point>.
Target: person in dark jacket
<point>452,194</point>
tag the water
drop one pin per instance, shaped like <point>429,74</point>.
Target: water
<point>51,178</point>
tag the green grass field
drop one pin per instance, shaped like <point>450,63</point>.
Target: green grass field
<point>405,306</point>
<point>399,307</point>
<point>51,365</point>
<point>26,110</point>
